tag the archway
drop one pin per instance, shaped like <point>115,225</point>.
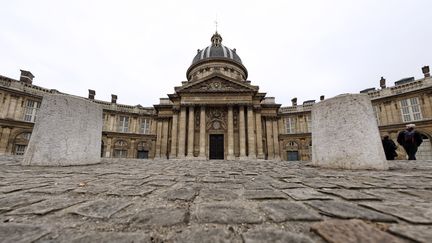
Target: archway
<point>424,152</point>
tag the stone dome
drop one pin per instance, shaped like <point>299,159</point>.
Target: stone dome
<point>216,50</point>
<point>216,58</point>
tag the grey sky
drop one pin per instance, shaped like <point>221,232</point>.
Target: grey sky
<point>140,50</point>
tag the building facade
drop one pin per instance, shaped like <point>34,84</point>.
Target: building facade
<point>216,114</point>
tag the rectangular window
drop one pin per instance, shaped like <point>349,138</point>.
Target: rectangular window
<point>123,124</point>
<point>120,153</point>
<point>290,125</point>
<point>30,110</point>
<point>410,110</point>
<point>145,126</point>
<point>20,149</point>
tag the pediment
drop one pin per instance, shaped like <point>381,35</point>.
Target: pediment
<point>217,85</point>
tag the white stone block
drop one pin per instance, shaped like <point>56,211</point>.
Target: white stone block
<point>68,131</point>
<point>345,134</point>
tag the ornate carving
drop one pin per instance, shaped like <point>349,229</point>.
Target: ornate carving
<point>216,119</point>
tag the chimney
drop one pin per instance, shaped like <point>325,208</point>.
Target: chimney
<point>26,77</point>
<point>426,71</point>
<point>294,101</point>
<point>382,83</point>
<point>322,97</point>
<point>91,94</point>
<point>113,98</point>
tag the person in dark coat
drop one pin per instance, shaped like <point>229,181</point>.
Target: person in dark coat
<point>389,148</point>
<point>410,141</point>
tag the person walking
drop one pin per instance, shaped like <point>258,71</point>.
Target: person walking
<point>410,140</point>
<point>389,148</point>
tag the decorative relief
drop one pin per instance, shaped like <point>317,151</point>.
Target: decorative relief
<point>217,85</point>
<point>216,119</point>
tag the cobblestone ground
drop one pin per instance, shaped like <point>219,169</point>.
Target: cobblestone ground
<point>214,201</point>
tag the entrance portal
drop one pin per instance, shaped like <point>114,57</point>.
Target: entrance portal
<point>216,146</point>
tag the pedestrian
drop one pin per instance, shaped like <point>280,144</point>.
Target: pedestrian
<point>410,141</point>
<point>389,148</point>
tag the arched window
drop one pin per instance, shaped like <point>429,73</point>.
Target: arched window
<point>120,149</point>
<point>143,150</point>
<point>21,142</point>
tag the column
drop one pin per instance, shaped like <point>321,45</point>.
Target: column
<point>251,133</point>
<point>4,140</point>
<point>182,133</point>
<point>242,133</point>
<point>259,135</point>
<point>12,107</point>
<point>108,148</point>
<point>164,146</point>
<point>269,131</point>
<point>19,110</point>
<point>276,139</point>
<point>173,153</point>
<point>230,155</point>
<point>202,141</point>
<point>5,107</point>
<point>158,139</point>
<point>191,130</point>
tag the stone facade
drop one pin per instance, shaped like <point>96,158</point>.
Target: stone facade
<point>216,113</point>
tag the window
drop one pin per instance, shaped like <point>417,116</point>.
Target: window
<point>308,123</point>
<point>120,153</point>
<point>410,110</point>
<point>290,125</point>
<point>145,126</point>
<point>377,113</point>
<point>20,149</point>
<point>30,110</point>
<point>123,124</point>
<point>120,149</point>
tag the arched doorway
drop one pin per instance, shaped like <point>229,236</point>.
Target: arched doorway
<point>292,151</point>
<point>120,149</point>
<point>143,149</point>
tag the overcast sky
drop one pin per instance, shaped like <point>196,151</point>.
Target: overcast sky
<point>140,50</point>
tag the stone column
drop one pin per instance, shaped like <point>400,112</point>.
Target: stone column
<point>164,146</point>
<point>158,139</point>
<point>182,133</point>
<point>108,148</point>
<point>276,140</point>
<point>202,145</point>
<point>19,114</point>
<point>12,107</point>
<point>259,135</point>
<point>242,133</point>
<point>269,131</point>
<point>173,153</point>
<point>230,155</point>
<point>251,133</point>
<point>191,130</point>
<point>4,139</point>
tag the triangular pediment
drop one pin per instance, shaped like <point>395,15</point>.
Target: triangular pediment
<point>217,84</point>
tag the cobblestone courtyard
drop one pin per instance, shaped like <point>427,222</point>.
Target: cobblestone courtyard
<point>214,201</point>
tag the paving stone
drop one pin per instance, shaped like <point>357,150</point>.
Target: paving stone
<point>15,188</point>
<point>111,237</point>
<point>160,183</point>
<point>350,194</point>
<point>17,233</point>
<point>418,233</point>
<point>319,184</point>
<point>214,194</point>
<point>200,234</point>
<point>272,235</point>
<point>256,186</point>
<point>393,195</point>
<point>47,206</point>
<point>226,213</point>
<point>351,231</point>
<point>101,208</point>
<point>351,184</point>
<point>281,211</point>
<point>417,213</point>
<point>286,185</point>
<point>426,195</point>
<point>12,202</point>
<point>263,194</point>
<point>346,210</point>
<point>162,216</point>
<point>302,194</point>
<point>52,189</point>
<point>185,194</point>
<point>131,191</point>
<point>93,189</point>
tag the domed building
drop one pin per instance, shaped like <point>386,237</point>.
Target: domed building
<point>216,114</point>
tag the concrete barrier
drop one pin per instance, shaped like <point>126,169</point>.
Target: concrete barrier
<point>345,134</point>
<point>68,131</point>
